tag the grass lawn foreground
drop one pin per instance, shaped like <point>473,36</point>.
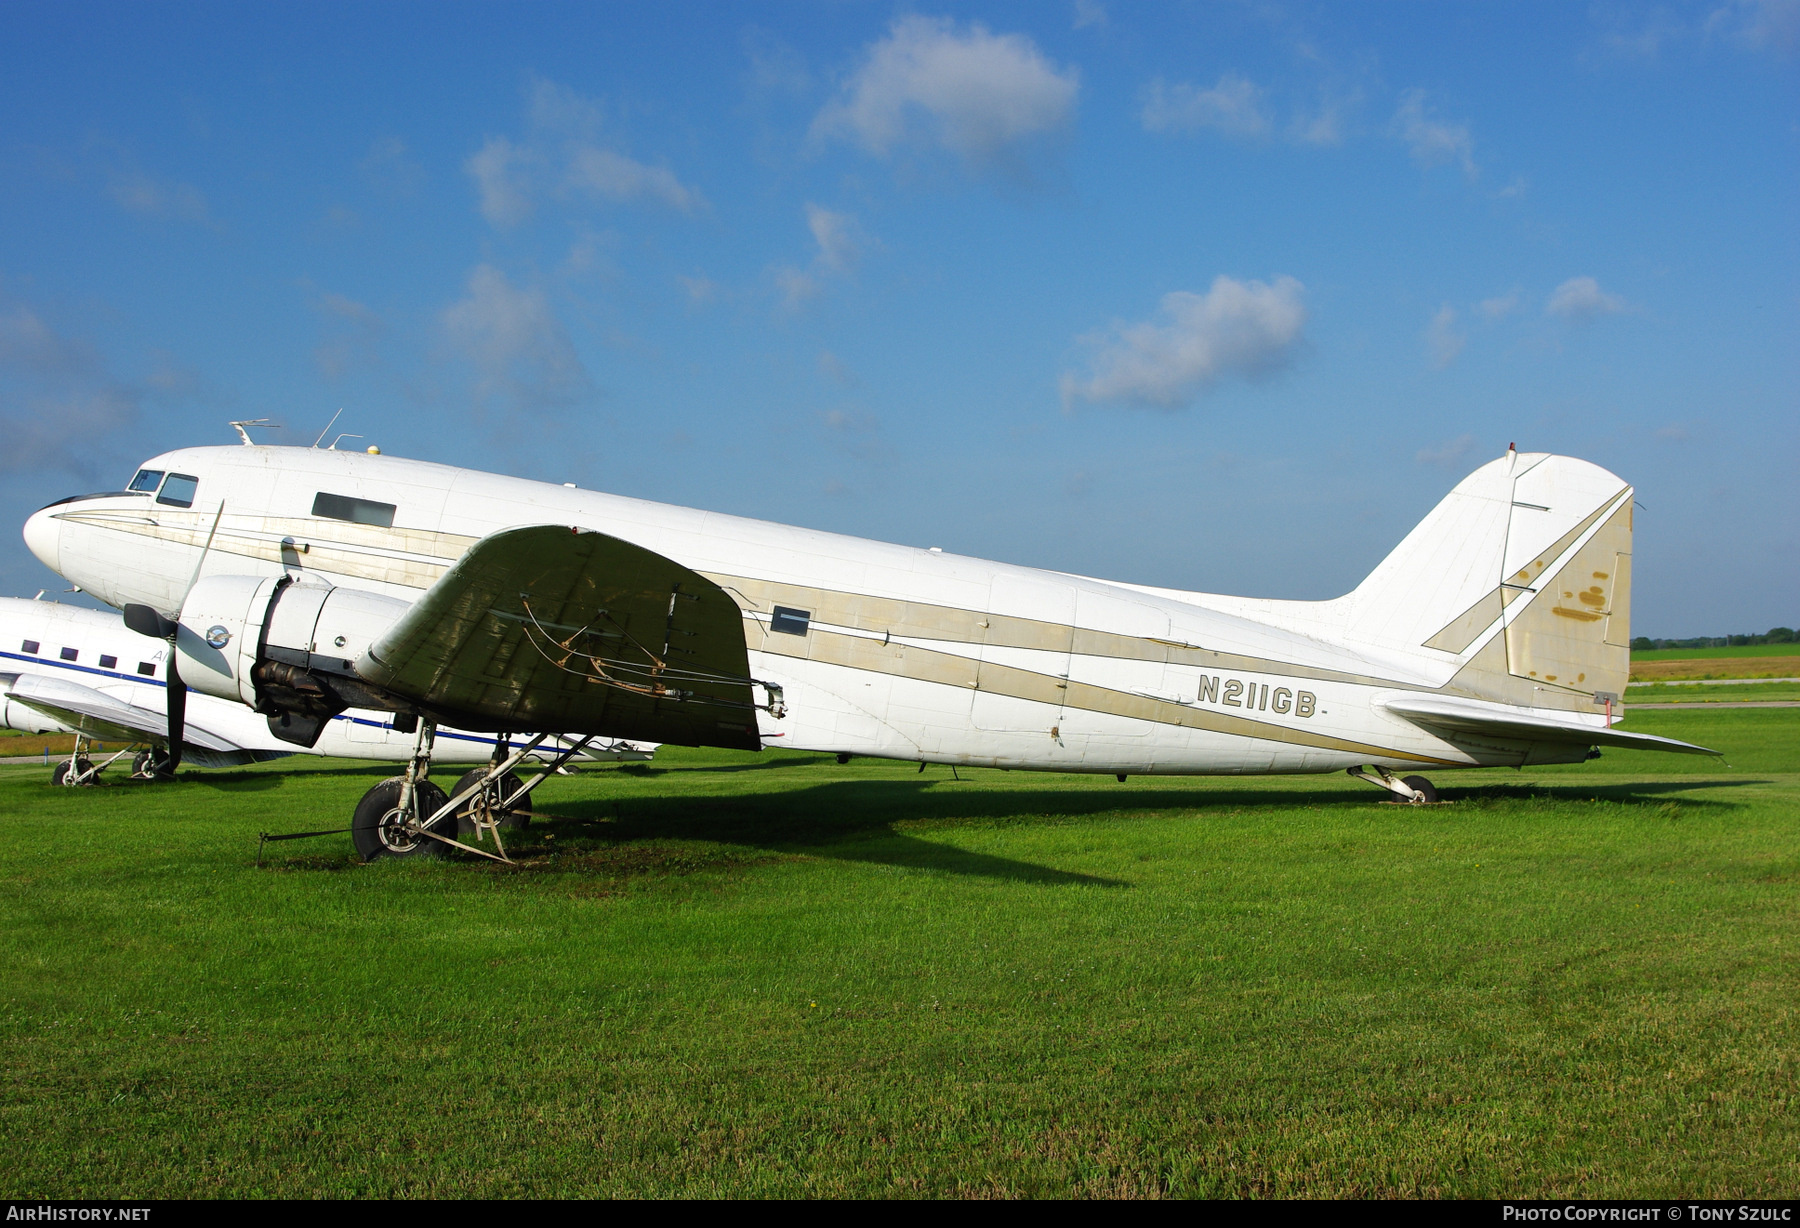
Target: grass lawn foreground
<point>726,974</point>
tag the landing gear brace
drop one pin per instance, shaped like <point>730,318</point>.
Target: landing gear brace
<point>401,828</point>
<point>1413,790</point>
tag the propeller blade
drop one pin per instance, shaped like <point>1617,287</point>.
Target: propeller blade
<point>177,689</point>
<point>177,713</point>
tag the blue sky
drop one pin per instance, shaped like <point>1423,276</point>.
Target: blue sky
<point>1214,296</point>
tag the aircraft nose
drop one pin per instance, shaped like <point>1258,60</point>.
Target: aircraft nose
<point>43,534</point>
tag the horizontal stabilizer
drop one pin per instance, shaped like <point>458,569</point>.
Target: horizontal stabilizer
<point>1449,717</point>
<point>97,715</point>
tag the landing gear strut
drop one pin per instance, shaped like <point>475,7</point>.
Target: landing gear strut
<point>1414,790</point>
<point>78,769</point>
<point>408,816</point>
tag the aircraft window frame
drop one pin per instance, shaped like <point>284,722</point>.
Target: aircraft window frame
<point>70,654</point>
<point>145,481</point>
<point>788,621</point>
<point>29,647</point>
<point>147,668</point>
<point>164,496</point>
<point>328,506</point>
<point>107,661</point>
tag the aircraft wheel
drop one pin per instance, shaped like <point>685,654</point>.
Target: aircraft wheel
<point>506,786</point>
<point>379,828</point>
<point>60,774</point>
<point>1420,785</point>
<point>143,765</point>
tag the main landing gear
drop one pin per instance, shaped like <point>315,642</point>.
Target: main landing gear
<point>408,816</point>
<point>78,769</point>
<point>1413,790</point>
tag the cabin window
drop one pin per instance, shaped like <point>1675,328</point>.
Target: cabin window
<point>146,481</point>
<point>356,511</point>
<point>69,654</point>
<point>107,662</point>
<point>790,622</point>
<point>146,669</point>
<point>30,646</point>
<point>178,490</point>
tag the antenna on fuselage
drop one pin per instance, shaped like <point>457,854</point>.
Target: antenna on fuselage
<point>244,434</point>
<point>327,430</point>
<point>340,439</point>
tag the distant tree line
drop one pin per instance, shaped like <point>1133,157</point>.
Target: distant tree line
<point>1775,635</point>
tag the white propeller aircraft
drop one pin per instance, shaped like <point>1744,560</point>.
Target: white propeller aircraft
<point>302,582</point>
<point>64,669</point>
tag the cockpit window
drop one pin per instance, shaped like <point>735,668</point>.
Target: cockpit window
<point>146,480</point>
<point>356,511</point>
<point>178,490</point>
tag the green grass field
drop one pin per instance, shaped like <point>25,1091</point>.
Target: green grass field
<point>1704,654</point>
<point>725,975</point>
<point>1651,693</point>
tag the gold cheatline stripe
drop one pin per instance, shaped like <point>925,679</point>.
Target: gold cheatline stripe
<point>924,621</point>
<point>930,665</point>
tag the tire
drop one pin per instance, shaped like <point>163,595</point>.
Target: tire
<point>1420,785</point>
<point>376,838</point>
<point>143,765</point>
<point>506,786</point>
<point>60,773</point>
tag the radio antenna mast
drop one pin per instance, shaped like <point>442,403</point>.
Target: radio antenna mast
<point>328,426</point>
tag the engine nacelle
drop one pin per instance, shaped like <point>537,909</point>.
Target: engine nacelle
<point>286,649</point>
<point>220,635</point>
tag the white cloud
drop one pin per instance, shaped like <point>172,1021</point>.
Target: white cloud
<point>602,172</point>
<point>796,285</point>
<point>1442,337</point>
<point>1446,455</point>
<point>60,408</point>
<point>978,94</point>
<point>1089,13</point>
<point>496,171</point>
<point>136,192</point>
<point>515,342</point>
<point>1433,141</point>
<point>836,235</point>
<point>699,289</point>
<point>839,241</point>
<point>1233,106</point>
<point>1758,25</point>
<point>567,152</point>
<point>1244,328</point>
<point>1324,128</point>
<point>1581,298</point>
<point>1495,308</point>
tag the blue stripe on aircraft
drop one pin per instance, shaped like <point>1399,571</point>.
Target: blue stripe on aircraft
<point>145,680</point>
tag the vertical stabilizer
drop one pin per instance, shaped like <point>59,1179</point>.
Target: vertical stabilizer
<point>1522,575</point>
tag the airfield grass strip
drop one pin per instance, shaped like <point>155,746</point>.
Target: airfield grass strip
<point>724,974</point>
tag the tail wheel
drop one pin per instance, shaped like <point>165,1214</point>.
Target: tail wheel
<point>1425,794</point>
<point>59,775</point>
<point>488,801</point>
<point>381,829</point>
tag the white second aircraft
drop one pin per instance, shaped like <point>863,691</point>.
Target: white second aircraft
<point>302,582</point>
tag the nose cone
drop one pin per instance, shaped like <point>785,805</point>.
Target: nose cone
<point>43,534</point>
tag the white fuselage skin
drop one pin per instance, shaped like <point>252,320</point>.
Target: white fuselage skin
<point>1277,700</point>
<point>95,649</point>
